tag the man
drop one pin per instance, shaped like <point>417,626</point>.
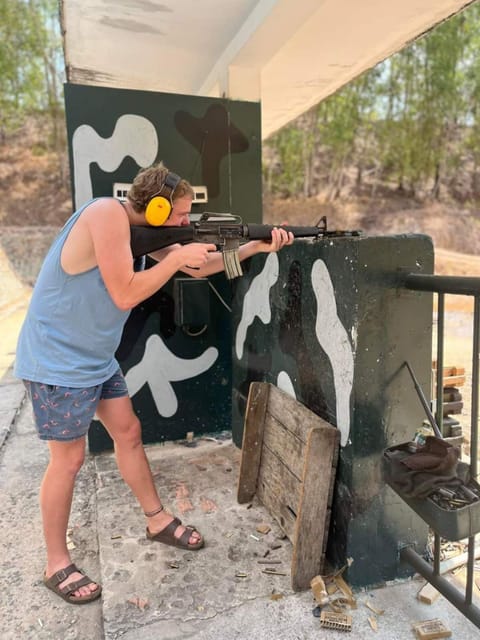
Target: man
<point>66,353</point>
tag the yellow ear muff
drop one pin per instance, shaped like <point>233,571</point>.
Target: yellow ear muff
<point>157,211</point>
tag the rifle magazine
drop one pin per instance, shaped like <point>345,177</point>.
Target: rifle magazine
<point>231,261</point>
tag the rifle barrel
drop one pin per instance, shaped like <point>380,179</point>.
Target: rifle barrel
<point>264,231</point>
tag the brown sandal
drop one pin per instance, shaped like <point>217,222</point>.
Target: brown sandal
<point>167,536</point>
<point>68,590</point>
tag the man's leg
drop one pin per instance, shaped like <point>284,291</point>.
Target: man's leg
<point>122,424</point>
<point>56,492</point>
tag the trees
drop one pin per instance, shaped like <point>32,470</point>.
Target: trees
<point>411,122</point>
<point>31,62</point>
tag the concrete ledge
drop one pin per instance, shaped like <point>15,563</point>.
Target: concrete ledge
<point>12,397</point>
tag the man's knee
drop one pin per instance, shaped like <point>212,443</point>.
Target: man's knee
<point>70,460</point>
<point>130,434</point>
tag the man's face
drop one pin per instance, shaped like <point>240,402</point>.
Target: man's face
<point>180,213</point>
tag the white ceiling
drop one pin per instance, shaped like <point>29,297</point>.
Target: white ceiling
<point>289,54</point>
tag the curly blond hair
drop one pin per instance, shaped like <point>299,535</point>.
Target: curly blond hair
<point>149,181</point>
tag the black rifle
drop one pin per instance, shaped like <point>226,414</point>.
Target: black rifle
<point>224,230</point>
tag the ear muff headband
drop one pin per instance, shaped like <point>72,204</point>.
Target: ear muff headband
<point>159,207</point>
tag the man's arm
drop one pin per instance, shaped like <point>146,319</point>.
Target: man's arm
<point>109,230</point>
<point>215,262</point>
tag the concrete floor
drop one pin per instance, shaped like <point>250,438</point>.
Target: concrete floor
<point>151,591</point>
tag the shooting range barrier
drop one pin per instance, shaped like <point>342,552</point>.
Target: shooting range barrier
<point>384,305</point>
<point>331,323</point>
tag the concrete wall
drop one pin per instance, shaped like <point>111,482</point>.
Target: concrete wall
<point>329,322</point>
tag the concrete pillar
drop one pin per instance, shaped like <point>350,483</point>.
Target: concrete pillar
<point>329,322</point>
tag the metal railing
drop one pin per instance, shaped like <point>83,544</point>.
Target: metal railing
<point>465,286</point>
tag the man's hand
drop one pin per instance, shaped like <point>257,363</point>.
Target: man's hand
<point>280,238</point>
<point>195,254</point>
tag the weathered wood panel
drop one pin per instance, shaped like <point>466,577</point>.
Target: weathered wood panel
<point>311,530</point>
<point>252,441</point>
<point>283,444</point>
<point>289,460</point>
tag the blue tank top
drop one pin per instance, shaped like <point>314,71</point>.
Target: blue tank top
<point>72,327</point>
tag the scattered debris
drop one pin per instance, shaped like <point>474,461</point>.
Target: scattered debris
<point>317,611</point>
<point>182,497</point>
<point>173,564</point>
<point>140,603</point>
<point>189,440</point>
<point>454,555</point>
<point>115,537</point>
<point>207,505</point>
<point>428,594</point>
<point>340,604</point>
<point>263,528</point>
<point>70,543</point>
<point>431,630</point>
<point>275,545</point>
<point>378,612</point>
<point>338,621</point>
<point>276,596</point>
<point>254,537</point>
<point>241,574</point>
<point>345,589</point>
<point>269,561</point>
<point>319,590</point>
<point>373,623</point>
<point>273,572</point>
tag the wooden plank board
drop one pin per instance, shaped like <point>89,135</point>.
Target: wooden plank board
<point>295,417</point>
<point>279,511</point>
<point>428,594</point>
<point>289,461</point>
<point>449,370</point>
<point>252,441</point>
<point>282,443</point>
<point>279,491</point>
<point>311,530</point>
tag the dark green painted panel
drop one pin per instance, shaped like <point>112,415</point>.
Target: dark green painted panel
<point>204,400</point>
<point>383,325</point>
<point>208,141</point>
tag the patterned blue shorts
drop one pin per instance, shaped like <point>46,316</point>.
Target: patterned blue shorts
<point>65,413</point>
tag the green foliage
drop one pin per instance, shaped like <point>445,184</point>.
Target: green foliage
<point>413,121</point>
<point>30,59</point>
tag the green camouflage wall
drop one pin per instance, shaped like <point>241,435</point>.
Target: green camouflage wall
<point>329,322</point>
<point>179,376</point>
